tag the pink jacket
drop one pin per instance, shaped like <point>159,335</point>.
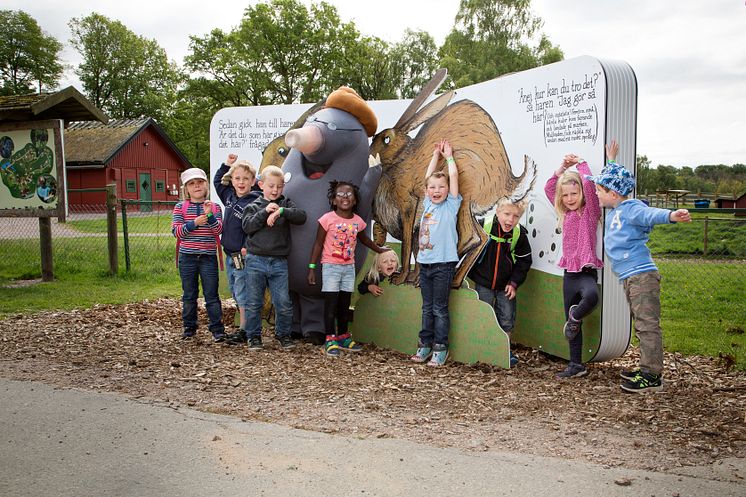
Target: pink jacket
<point>579,227</point>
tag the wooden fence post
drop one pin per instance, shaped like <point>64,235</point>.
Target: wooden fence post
<point>45,241</point>
<point>705,235</point>
<point>111,227</point>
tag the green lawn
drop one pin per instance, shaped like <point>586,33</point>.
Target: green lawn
<point>704,302</point>
<point>157,222</point>
<point>726,237</point>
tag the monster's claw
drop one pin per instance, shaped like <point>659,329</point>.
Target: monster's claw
<point>374,161</point>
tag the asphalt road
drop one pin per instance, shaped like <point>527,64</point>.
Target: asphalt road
<point>58,442</point>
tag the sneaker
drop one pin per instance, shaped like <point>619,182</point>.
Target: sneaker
<point>286,342</point>
<point>218,336</point>
<point>572,326</point>
<point>238,338</point>
<point>439,357</point>
<point>643,382</point>
<point>346,343</point>
<point>255,343</point>
<point>332,349</point>
<point>188,334</point>
<point>629,374</point>
<point>423,354</point>
<point>573,370</point>
<point>514,360</point>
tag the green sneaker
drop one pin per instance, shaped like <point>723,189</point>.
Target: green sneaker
<point>346,343</point>
<point>643,382</point>
<point>332,349</point>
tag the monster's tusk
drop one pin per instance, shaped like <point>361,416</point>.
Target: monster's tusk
<point>306,140</point>
<point>374,161</point>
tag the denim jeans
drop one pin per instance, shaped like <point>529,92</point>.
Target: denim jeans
<point>435,284</point>
<point>504,308</point>
<point>269,271</point>
<point>192,269</point>
<point>237,282</point>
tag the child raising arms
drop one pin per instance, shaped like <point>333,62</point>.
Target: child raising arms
<point>437,255</point>
<point>627,230</point>
<point>579,213</point>
<point>336,238</point>
<point>233,182</point>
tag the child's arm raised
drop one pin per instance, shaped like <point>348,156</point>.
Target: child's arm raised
<point>434,161</point>
<point>224,190</point>
<point>611,150</point>
<point>452,169</point>
<point>316,255</point>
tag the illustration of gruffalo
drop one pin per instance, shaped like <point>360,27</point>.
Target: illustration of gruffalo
<point>485,174</point>
<point>331,145</point>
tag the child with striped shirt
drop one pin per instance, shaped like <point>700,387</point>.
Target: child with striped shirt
<point>197,224</point>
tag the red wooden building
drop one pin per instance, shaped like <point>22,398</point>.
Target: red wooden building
<point>734,203</point>
<point>136,154</point>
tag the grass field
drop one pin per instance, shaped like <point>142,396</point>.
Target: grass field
<point>703,300</point>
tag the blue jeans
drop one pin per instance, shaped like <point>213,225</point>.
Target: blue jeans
<point>237,282</point>
<point>192,269</point>
<point>435,284</point>
<point>269,271</point>
<point>504,308</point>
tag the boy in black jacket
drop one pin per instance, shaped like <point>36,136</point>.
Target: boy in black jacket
<point>267,225</point>
<point>234,183</point>
<point>503,264</point>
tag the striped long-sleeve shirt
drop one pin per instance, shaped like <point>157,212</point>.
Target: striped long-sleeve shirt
<point>195,239</point>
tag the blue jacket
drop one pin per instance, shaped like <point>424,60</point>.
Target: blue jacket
<point>233,235</point>
<point>628,228</point>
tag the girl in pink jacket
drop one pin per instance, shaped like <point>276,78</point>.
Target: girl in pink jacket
<point>579,212</point>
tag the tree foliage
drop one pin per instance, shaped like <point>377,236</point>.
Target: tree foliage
<point>719,179</point>
<point>491,38</point>
<point>29,59</point>
<point>126,75</point>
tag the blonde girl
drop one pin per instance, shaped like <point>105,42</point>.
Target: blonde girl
<point>579,212</point>
<point>384,265</point>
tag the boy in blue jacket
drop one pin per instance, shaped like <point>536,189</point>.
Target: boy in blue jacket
<point>234,182</point>
<point>628,227</point>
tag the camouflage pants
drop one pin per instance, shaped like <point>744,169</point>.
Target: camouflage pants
<point>643,293</point>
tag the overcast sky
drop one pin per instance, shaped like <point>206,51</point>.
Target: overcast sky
<point>689,55</point>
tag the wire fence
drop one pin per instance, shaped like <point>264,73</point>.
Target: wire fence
<point>704,260</point>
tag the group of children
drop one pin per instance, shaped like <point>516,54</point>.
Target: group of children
<point>256,241</point>
<point>256,238</point>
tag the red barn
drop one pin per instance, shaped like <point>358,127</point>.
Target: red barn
<point>732,203</point>
<point>136,154</point>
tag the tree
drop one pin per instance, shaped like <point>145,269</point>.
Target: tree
<point>28,57</point>
<point>491,38</point>
<point>124,74</point>
<point>415,60</point>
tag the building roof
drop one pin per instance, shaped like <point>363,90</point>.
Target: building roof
<point>89,143</point>
<point>68,104</point>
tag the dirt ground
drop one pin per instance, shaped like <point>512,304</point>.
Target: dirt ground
<point>698,419</point>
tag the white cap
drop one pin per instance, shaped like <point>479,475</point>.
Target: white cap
<point>192,173</point>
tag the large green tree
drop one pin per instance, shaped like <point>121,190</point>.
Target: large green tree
<point>29,58</point>
<point>494,37</point>
<point>126,75</point>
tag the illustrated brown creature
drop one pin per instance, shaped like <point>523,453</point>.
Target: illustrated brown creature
<point>485,174</point>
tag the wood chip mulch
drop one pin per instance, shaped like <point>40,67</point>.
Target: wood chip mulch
<point>698,419</point>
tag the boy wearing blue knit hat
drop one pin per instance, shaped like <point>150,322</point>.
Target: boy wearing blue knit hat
<point>628,227</point>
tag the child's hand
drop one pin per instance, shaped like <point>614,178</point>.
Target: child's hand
<point>201,220</point>
<point>509,291</point>
<point>611,150</point>
<point>375,290</point>
<point>681,216</point>
<point>311,277</point>
<point>447,150</point>
<point>244,251</point>
<point>208,207</point>
<point>271,207</point>
<point>273,218</point>
<point>231,159</point>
